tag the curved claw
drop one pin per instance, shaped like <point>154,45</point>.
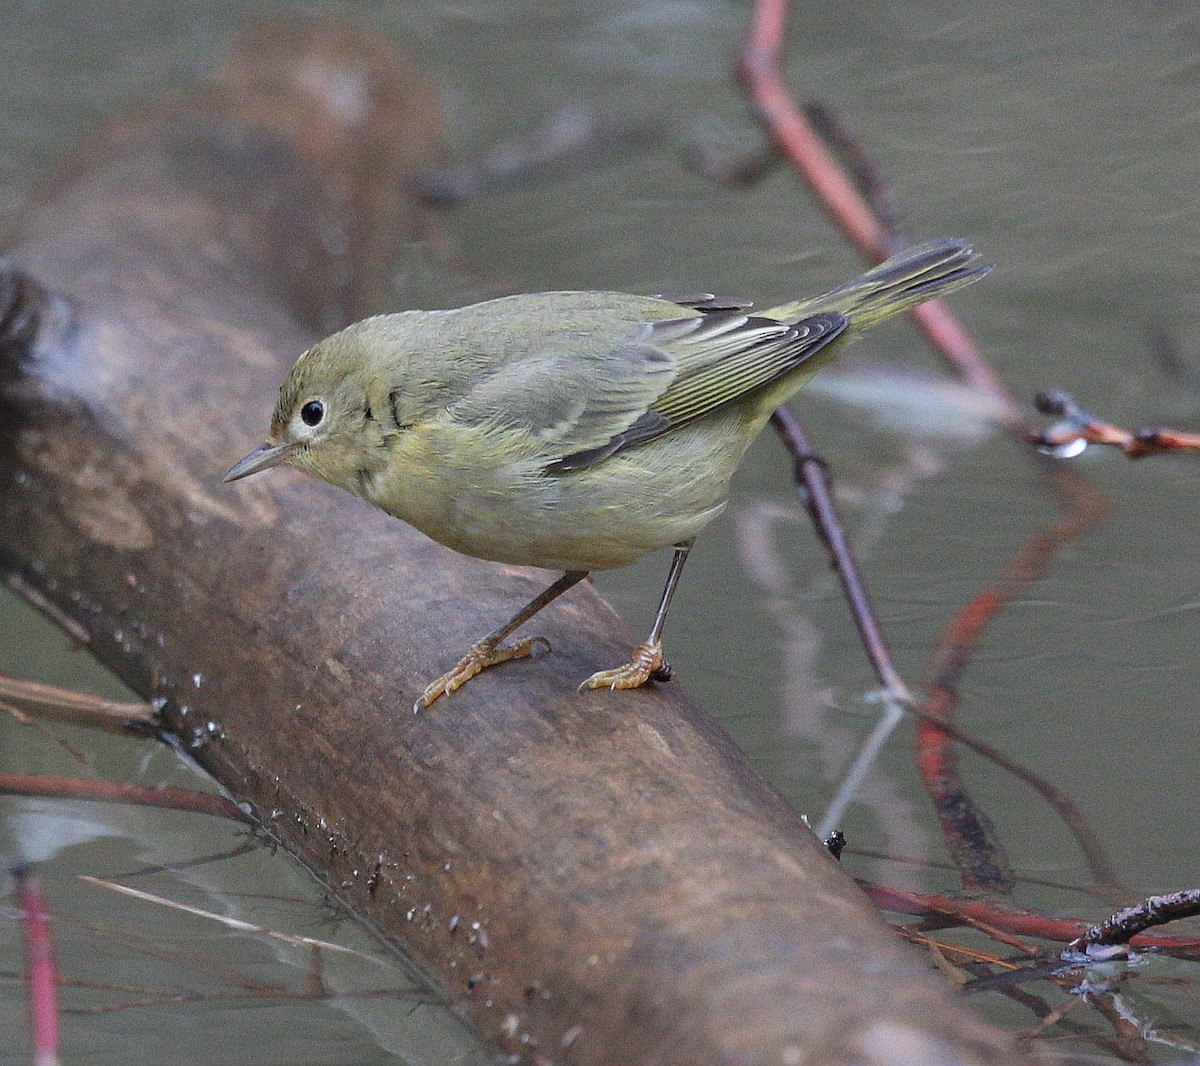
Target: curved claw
<point>478,658</point>
<point>645,663</point>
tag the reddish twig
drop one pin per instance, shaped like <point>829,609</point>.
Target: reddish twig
<point>969,829</point>
<point>871,182</point>
<point>178,799</point>
<point>760,77</point>
<point>758,73</point>
<point>969,834</point>
<point>981,855</point>
<point>41,972</point>
<point>975,851</point>
<point>1081,425</point>
<point>954,910</point>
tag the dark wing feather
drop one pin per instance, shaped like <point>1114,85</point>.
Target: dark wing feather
<point>720,357</point>
<point>706,301</point>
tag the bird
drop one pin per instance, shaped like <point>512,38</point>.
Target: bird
<point>573,431</point>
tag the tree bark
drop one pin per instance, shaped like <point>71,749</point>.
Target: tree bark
<point>590,878</point>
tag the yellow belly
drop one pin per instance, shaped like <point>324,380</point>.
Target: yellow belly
<point>647,497</point>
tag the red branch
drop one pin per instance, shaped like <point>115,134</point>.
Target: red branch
<point>956,910</point>
<point>41,972</point>
<point>760,77</point>
<point>967,829</point>
<point>1081,425</point>
<point>970,840</point>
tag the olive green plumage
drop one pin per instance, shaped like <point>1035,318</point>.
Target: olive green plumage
<point>574,431</point>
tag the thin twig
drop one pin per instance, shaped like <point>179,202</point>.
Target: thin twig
<point>78,708</point>
<point>1119,929</point>
<point>871,182</point>
<point>1081,425</point>
<point>943,864</point>
<point>812,475</point>
<point>231,923</point>
<point>962,910</point>
<point>760,77</point>
<point>178,799</point>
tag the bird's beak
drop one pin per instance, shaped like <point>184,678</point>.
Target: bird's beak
<point>263,457</point>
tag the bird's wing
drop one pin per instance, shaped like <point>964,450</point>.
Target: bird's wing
<point>580,403</point>
<point>572,398</point>
<point>722,357</point>
<point>717,357</point>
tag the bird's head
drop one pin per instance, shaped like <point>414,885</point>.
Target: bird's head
<point>321,422</point>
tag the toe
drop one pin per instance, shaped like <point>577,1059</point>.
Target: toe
<point>644,664</point>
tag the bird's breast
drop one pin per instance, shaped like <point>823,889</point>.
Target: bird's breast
<point>493,501</point>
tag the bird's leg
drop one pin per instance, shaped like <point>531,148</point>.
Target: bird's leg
<point>646,661</point>
<point>490,650</point>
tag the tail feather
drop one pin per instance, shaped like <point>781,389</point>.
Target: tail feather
<point>936,268</point>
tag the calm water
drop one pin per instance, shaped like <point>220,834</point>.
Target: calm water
<point>1060,139</point>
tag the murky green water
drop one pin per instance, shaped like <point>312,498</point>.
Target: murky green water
<point>1060,138</point>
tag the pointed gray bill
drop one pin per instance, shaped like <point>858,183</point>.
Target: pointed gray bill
<point>263,457</point>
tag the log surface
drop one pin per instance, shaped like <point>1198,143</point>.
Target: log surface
<point>590,878</point>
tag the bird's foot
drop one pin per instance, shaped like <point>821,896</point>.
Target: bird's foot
<point>478,658</point>
<point>645,664</point>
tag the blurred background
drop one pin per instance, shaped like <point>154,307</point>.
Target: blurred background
<point>1060,139</point>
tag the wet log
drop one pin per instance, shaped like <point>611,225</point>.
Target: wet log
<point>589,878</point>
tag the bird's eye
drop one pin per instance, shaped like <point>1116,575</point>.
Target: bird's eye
<point>312,413</point>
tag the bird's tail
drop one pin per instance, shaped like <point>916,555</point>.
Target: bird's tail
<point>903,281</point>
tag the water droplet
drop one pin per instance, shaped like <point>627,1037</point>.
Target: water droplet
<point>1069,449</point>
